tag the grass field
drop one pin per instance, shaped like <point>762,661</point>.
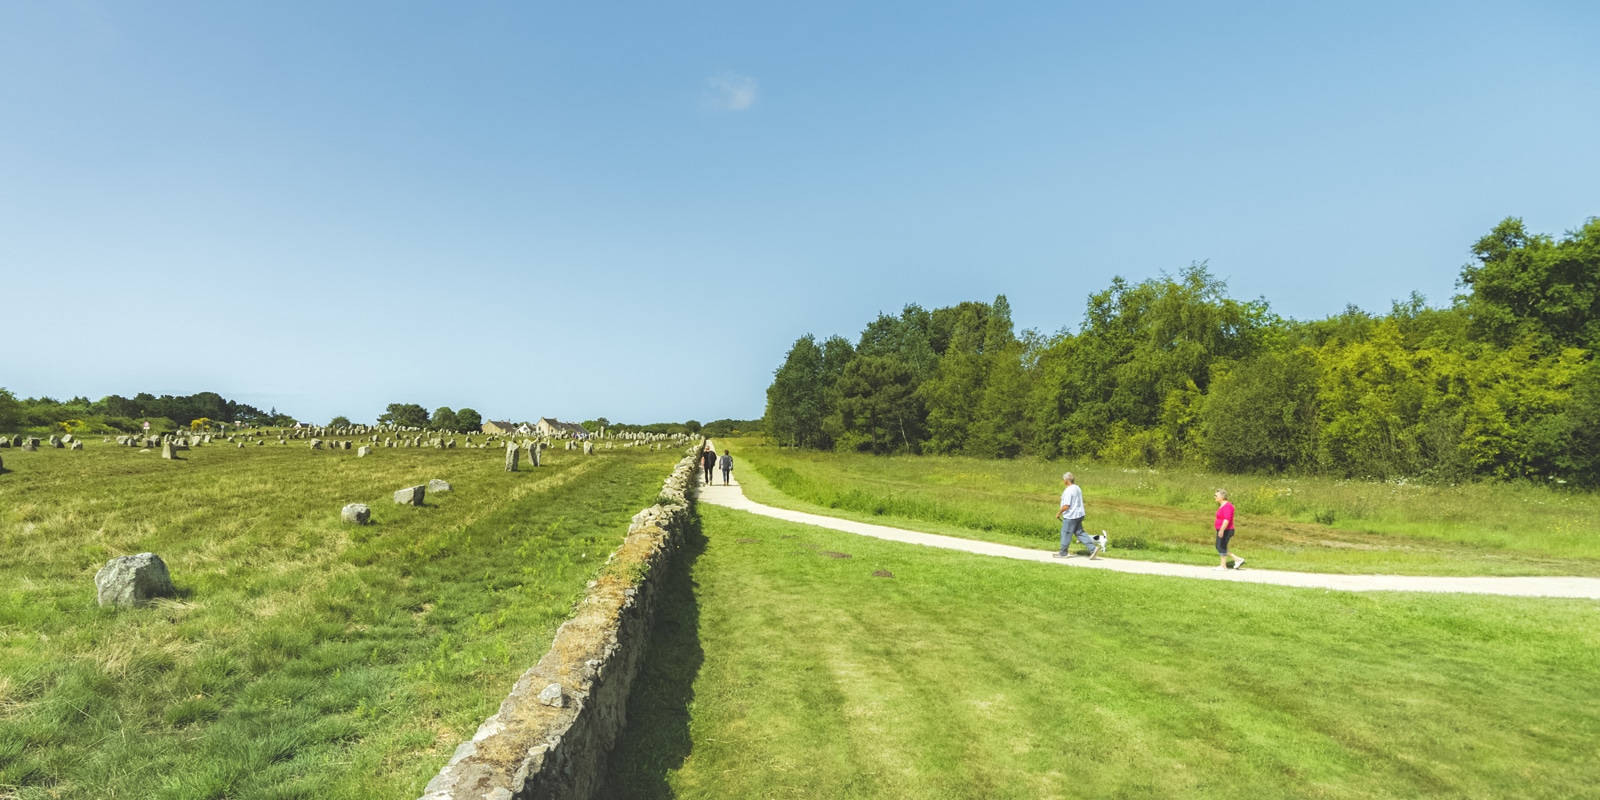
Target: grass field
<point>780,670</point>
<point>1311,524</point>
<point>303,658</point>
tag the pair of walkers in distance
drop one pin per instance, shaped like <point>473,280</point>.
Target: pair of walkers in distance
<point>1072,514</point>
<point>709,462</point>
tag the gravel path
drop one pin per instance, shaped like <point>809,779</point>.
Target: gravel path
<point>1589,588</point>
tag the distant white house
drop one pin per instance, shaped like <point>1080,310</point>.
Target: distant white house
<point>552,427</point>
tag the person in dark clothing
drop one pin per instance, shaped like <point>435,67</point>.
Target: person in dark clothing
<point>726,463</point>
<point>708,462</point>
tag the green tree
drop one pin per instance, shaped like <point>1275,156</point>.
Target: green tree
<point>1002,428</point>
<point>1527,283</point>
<point>468,420</point>
<point>1262,414</point>
<point>796,400</point>
<point>10,411</point>
<point>953,394</point>
<point>1144,350</point>
<point>339,422</point>
<point>406,415</point>
<point>444,419</point>
<point>877,408</point>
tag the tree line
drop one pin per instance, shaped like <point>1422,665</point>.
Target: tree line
<point>1173,370</point>
<point>115,413</point>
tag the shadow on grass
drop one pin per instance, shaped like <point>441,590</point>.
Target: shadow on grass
<point>656,740</point>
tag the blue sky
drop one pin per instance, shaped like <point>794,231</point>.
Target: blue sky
<point>633,210</point>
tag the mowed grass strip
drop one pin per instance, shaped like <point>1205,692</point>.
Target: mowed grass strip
<point>1310,524</point>
<point>303,657</point>
<point>783,672</point>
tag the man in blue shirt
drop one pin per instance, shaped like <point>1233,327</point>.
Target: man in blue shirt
<point>1071,516</point>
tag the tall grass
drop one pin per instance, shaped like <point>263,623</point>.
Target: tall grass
<point>302,657</point>
<point>1299,523</point>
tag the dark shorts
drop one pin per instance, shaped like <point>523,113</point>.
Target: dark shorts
<point>1222,541</point>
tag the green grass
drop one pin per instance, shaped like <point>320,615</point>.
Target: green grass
<point>1310,524</point>
<point>780,672</point>
<point>303,658</point>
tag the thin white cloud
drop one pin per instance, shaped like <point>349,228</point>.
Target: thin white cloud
<point>730,92</point>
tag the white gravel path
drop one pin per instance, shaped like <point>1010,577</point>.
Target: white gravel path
<point>1588,588</point>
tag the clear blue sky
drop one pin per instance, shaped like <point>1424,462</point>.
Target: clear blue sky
<point>585,209</point>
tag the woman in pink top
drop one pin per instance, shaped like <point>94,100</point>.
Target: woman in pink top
<point>1225,531</point>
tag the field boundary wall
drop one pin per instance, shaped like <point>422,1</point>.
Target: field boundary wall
<point>551,736</point>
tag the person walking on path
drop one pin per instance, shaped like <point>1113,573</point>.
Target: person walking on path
<point>1225,531</point>
<point>708,462</point>
<point>1071,516</point>
<point>727,466</point>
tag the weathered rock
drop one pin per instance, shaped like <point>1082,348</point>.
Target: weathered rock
<point>511,457</point>
<point>411,495</point>
<point>67,439</point>
<point>437,485</point>
<point>316,444</point>
<point>76,446</point>
<point>54,442</point>
<point>554,696</point>
<point>169,451</point>
<point>363,450</point>
<point>131,580</point>
<point>357,513</point>
<point>588,448</point>
<point>535,455</point>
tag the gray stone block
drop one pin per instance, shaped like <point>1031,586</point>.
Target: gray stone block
<point>132,580</point>
<point>357,513</point>
<point>411,495</point>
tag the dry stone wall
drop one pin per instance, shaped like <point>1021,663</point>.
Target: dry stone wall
<point>551,736</point>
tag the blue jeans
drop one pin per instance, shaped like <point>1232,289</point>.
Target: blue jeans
<point>1073,526</point>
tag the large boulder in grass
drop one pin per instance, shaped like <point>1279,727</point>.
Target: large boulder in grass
<point>132,580</point>
<point>357,513</point>
<point>435,486</point>
<point>411,495</point>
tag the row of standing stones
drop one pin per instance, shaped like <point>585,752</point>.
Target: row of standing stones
<point>137,579</point>
<point>172,444</point>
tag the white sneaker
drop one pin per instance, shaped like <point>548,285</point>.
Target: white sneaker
<point>1238,563</point>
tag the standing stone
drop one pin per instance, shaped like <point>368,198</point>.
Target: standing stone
<point>511,457</point>
<point>588,448</point>
<point>364,450</point>
<point>316,444</point>
<point>411,495</point>
<point>533,454</point>
<point>131,580</point>
<point>169,452</point>
<point>358,513</point>
<point>76,446</point>
<point>437,485</point>
<point>67,439</point>
<point>54,442</point>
